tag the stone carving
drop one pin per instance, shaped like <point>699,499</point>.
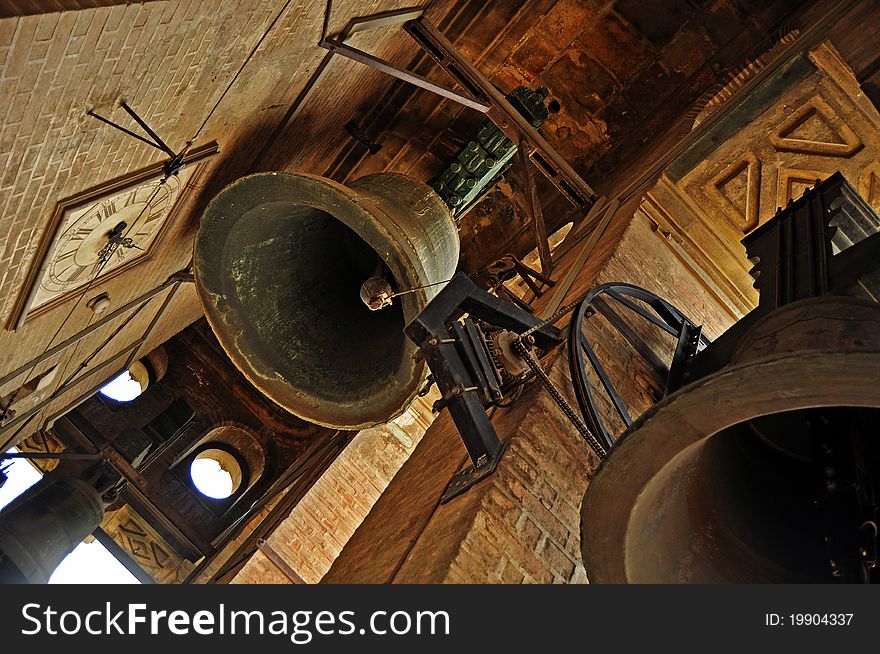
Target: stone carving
<point>133,534</point>
<point>815,128</point>
<point>738,189</point>
<point>802,122</point>
<point>792,182</point>
<point>42,442</point>
<point>869,185</point>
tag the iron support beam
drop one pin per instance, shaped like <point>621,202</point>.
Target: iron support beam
<point>380,20</point>
<point>338,47</point>
<point>138,301</point>
<point>442,348</point>
<point>279,562</point>
<point>122,556</point>
<point>70,456</point>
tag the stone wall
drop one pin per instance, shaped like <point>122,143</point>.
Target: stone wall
<point>518,525</point>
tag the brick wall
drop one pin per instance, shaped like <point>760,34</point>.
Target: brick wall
<point>314,533</point>
<point>10,8</point>
<point>526,526</point>
<point>520,524</point>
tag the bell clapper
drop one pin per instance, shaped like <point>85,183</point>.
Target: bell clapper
<point>377,293</point>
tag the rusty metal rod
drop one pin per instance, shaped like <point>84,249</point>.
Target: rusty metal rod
<point>279,562</point>
<point>73,456</point>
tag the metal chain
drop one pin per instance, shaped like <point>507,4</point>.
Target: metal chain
<point>519,346</point>
<point>556,316</point>
<point>523,351</point>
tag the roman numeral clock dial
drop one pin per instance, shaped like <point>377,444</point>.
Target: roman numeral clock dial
<point>102,231</point>
<point>86,247</point>
<point>102,236</point>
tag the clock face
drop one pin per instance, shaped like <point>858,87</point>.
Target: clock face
<point>101,231</point>
<point>90,239</point>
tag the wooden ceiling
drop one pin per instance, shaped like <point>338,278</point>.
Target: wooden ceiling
<point>618,72</point>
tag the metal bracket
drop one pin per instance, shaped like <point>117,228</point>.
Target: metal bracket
<point>360,135</point>
<point>506,268</point>
<point>451,351</point>
<point>176,159</point>
<point>463,480</point>
<point>689,340</point>
<point>336,46</point>
<point>279,561</point>
<point>153,141</point>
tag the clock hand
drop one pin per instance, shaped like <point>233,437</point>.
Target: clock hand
<point>117,231</point>
<point>115,240</point>
<point>107,251</point>
<point>129,243</point>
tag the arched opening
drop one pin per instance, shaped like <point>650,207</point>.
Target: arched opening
<point>128,385</point>
<point>216,473</point>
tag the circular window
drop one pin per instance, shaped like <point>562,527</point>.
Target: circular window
<point>216,473</point>
<point>129,384</point>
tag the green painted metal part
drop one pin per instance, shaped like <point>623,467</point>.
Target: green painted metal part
<point>486,155</point>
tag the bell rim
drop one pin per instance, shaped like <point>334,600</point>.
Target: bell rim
<point>819,377</point>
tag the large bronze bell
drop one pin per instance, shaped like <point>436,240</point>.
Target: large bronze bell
<point>756,472</point>
<point>280,261</point>
<point>44,525</point>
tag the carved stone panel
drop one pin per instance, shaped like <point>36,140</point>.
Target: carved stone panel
<point>42,442</point>
<point>815,129</point>
<point>143,544</point>
<point>801,124</point>
<point>812,129</point>
<point>738,189</point>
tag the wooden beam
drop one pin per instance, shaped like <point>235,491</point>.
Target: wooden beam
<point>579,230</point>
<point>560,291</point>
<point>534,207</point>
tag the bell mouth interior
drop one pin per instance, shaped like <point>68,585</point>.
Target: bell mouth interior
<point>294,274</point>
<point>739,506</point>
